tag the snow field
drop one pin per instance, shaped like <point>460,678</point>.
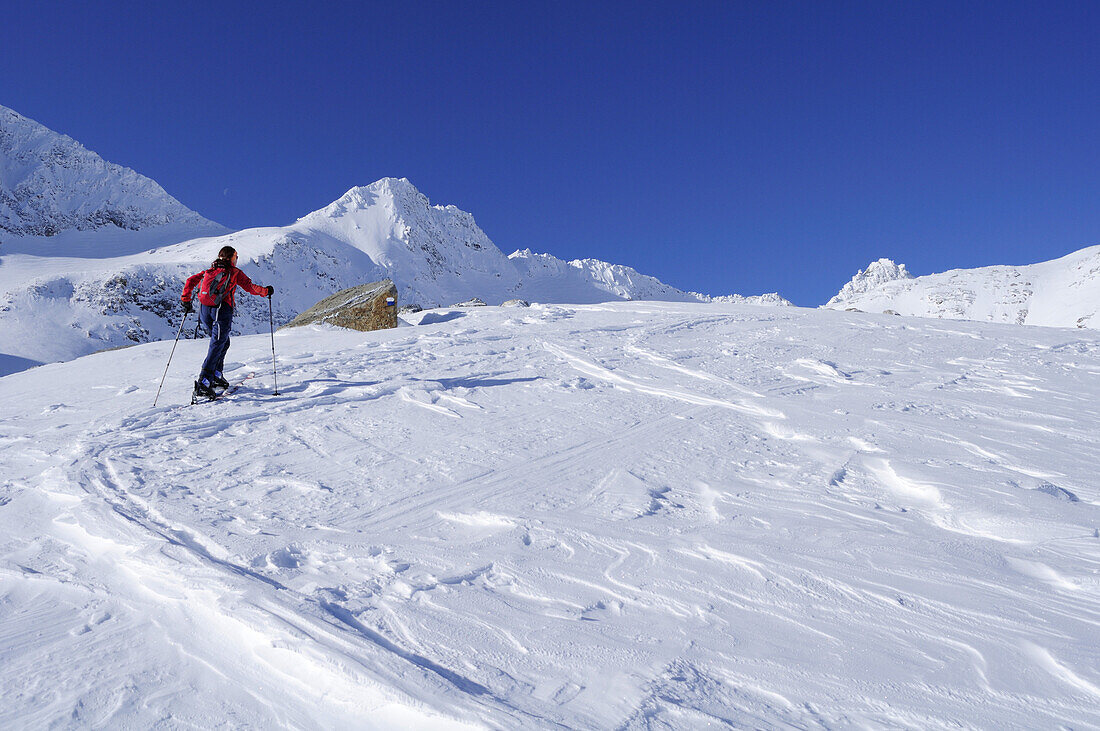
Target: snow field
<point>611,516</point>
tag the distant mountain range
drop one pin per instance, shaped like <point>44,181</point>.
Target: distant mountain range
<point>1064,292</point>
<point>93,255</point>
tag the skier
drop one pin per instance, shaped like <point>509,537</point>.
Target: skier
<point>216,287</point>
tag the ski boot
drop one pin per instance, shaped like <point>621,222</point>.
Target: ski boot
<point>203,391</point>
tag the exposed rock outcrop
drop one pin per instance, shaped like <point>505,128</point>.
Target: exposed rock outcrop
<point>366,307</point>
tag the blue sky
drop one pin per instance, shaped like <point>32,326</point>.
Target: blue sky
<point>720,146</point>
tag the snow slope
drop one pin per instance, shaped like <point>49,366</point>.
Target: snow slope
<point>625,515</point>
<point>1060,293</point>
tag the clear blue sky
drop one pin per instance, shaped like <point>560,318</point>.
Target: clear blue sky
<point>720,146</point>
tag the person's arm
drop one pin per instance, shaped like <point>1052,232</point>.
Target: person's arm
<point>189,286</point>
<point>246,284</point>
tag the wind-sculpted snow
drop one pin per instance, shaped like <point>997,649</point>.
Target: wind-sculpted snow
<point>1060,293</point>
<point>624,515</point>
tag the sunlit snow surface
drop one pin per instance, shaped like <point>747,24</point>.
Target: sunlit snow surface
<point>610,516</point>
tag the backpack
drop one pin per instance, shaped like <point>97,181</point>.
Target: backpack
<point>217,283</point>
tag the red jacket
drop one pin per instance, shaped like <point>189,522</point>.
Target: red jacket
<point>238,279</point>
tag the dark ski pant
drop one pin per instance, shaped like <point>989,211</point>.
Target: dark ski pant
<point>217,321</point>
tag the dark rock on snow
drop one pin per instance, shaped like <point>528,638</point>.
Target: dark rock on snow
<point>366,307</point>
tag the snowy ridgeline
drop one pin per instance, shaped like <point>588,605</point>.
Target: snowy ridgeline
<point>1064,292</point>
<point>90,258</point>
<point>626,515</point>
<point>74,302</point>
<point>49,183</point>
<point>90,254</point>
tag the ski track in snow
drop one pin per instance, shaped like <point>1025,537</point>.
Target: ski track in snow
<point>615,516</point>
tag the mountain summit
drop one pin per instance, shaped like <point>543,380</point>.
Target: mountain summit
<point>50,183</point>
<point>875,275</point>
<point>436,254</point>
<point>361,197</point>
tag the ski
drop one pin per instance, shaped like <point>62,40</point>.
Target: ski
<point>218,395</point>
<point>234,386</point>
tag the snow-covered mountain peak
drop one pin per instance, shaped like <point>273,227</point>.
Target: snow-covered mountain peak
<point>395,194</point>
<point>50,183</point>
<point>421,245</point>
<point>397,187</point>
<point>875,275</point>
<point>878,272</point>
<point>884,269</point>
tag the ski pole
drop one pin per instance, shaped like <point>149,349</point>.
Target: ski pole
<point>169,359</point>
<point>271,319</point>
